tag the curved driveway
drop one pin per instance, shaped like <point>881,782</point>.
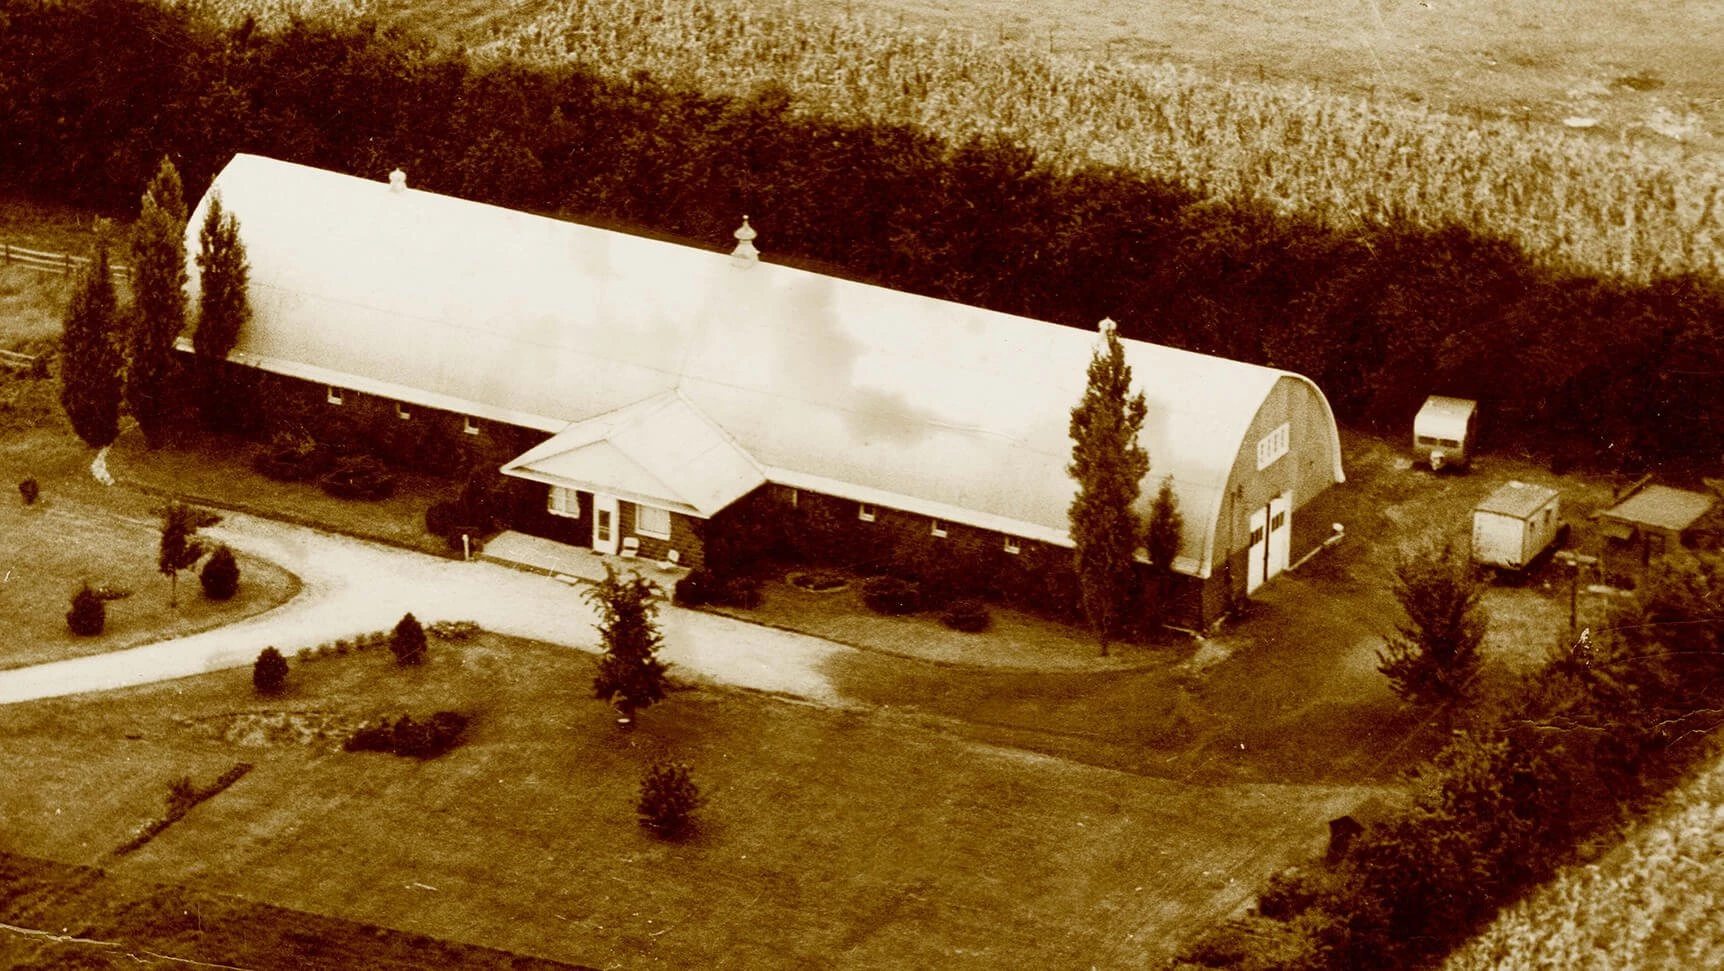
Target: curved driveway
<point>350,586</point>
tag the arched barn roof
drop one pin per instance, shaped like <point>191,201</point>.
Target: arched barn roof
<point>826,384</point>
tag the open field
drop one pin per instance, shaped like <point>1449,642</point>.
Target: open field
<point>829,837</point>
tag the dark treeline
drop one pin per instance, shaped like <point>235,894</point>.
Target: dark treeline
<point>94,92</point>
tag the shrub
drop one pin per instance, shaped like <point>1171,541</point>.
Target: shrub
<point>359,477</point>
<point>89,613</point>
<point>408,642</point>
<point>740,592</point>
<point>220,575</point>
<point>668,800</point>
<point>696,589</point>
<point>29,490</point>
<point>890,595</point>
<point>441,517</point>
<point>966,615</point>
<point>269,672</point>
<point>290,457</point>
<point>407,736</point>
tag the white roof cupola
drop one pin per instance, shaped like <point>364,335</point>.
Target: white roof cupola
<point>398,181</point>
<point>1107,328</point>
<point>745,251</point>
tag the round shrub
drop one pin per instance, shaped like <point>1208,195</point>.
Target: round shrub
<point>668,800</point>
<point>440,518</point>
<point>740,592</point>
<point>29,490</point>
<point>970,616</point>
<point>890,595</point>
<point>408,642</point>
<point>697,589</point>
<point>220,575</point>
<point>89,613</point>
<point>269,672</point>
<point>290,457</point>
<point>359,477</point>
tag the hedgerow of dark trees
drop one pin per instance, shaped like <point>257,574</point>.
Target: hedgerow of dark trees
<point>1591,368</point>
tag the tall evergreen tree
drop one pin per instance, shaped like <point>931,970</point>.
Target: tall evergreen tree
<point>91,361</point>
<point>1108,464</point>
<point>223,310</point>
<point>159,299</point>
<point>1434,657</point>
<point>1161,538</point>
<point>630,675</point>
<point>223,273</point>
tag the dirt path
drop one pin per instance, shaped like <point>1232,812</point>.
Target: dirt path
<point>350,586</point>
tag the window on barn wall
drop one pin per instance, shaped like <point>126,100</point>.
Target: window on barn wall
<point>469,426</point>
<point>1012,546</point>
<point>563,502</point>
<point>401,411</point>
<point>865,512</point>
<point>938,528</point>
<point>333,395</point>
<point>652,522</point>
<point>1272,446</point>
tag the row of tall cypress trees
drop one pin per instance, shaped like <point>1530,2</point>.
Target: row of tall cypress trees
<point>120,359</point>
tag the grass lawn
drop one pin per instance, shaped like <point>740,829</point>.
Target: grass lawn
<point>54,545</point>
<point>216,470</point>
<point>849,838</point>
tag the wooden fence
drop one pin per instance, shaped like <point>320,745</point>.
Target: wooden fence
<point>12,254</point>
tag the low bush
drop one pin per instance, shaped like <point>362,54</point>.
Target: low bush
<point>220,575</point>
<point>359,477</point>
<point>89,613</point>
<point>441,517</point>
<point>740,592</point>
<point>668,800</point>
<point>29,490</point>
<point>970,616</point>
<point>291,457</point>
<point>890,595</point>
<point>269,672</point>
<point>408,642</point>
<point>697,589</point>
<point>409,737</point>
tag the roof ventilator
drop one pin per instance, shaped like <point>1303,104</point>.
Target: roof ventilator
<point>398,181</point>
<point>745,251</point>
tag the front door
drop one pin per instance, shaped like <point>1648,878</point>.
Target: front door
<point>1257,559</point>
<point>604,523</point>
<point>1280,532</point>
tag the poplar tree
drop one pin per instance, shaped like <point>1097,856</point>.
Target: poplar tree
<point>1161,539</point>
<point>90,359</point>
<point>158,299</point>
<point>1109,465</point>
<point>223,307</point>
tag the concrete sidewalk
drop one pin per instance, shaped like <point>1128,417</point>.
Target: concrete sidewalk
<point>350,586</point>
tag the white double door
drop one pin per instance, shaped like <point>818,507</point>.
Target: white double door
<point>1271,541</point>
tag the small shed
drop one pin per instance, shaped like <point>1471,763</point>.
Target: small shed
<point>1443,431</point>
<point>1654,521</point>
<point>1515,524</point>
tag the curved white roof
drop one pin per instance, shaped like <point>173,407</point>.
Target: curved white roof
<point>829,384</point>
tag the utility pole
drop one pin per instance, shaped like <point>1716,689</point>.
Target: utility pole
<point>1575,562</point>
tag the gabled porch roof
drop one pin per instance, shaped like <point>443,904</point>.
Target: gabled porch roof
<point>659,451</point>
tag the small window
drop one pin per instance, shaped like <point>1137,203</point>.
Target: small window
<point>563,502</point>
<point>1256,535</point>
<point>937,528</point>
<point>865,512</point>
<point>469,426</point>
<point>1278,521</point>
<point>652,522</point>
<point>1272,446</point>
<point>1451,442</point>
<point>1427,441</point>
<point>1012,546</point>
<point>333,395</point>
<point>401,412</point>
<point>788,495</point>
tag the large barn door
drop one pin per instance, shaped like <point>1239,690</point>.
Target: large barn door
<point>1280,532</point>
<point>1256,560</point>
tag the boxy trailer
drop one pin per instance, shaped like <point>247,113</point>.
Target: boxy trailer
<point>1516,525</point>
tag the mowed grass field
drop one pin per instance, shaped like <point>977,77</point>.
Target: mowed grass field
<point>829,837</point>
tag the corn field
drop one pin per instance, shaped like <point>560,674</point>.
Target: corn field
<point>1652,903</point>
<point>1624,207</point>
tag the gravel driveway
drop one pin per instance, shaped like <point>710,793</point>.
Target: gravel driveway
<point>350,586</point>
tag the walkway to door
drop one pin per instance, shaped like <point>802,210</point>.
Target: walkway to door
<point>551,558</point>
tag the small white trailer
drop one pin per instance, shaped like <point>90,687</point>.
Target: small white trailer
<point>1515,525</point>
<point>1443,431</point>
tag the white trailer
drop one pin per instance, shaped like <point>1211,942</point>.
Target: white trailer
<point>1515,525</point>
<point>1443,431</point>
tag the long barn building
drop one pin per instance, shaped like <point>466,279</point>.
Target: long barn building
<point>663,383</point>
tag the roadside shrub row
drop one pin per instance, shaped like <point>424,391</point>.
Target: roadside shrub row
<point>1578,748</point>
<point>700,588</point>
<point>183,797</point>
<point>1379,315</point>
<point>409,737</point>
<point>443,630</point>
